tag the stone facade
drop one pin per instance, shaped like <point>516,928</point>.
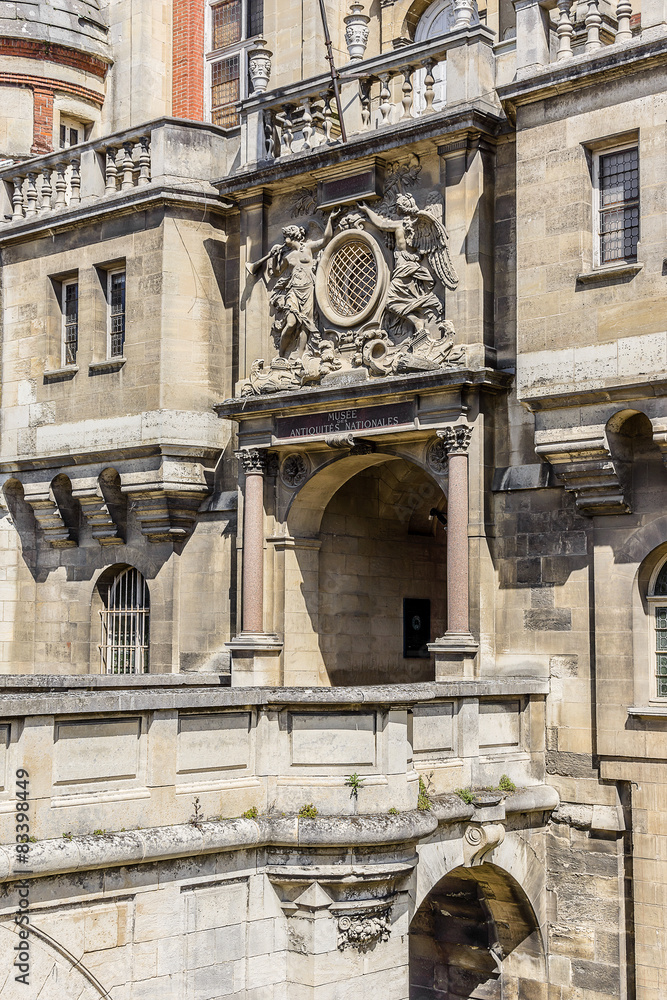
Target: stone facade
<point>333,539</point>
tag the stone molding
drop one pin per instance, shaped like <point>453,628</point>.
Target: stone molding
<point>587,468</point>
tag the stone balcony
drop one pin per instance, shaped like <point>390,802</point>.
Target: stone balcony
<point>130,753</point>
<point>104,174</point>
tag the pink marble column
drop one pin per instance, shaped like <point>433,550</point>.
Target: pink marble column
<point>253,462</point>
<point>455,441</point>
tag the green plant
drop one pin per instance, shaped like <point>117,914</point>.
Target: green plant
<point>355,782</point>
<point>466,794</point>
<point>198,815</point>
<point>68,835</point>
<point>506,784</point>
<point>32,840</point>
<point>250,813</point>
<point>423,799</point>
<point>308,811</point>
<point>393,811</point>
<point>99,833</point>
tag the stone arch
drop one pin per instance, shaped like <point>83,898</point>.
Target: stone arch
<point>360,543</point>
<point>475,930</point>
<point>55,973</point>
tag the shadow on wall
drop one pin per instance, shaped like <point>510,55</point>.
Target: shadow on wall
<point>474,932</point>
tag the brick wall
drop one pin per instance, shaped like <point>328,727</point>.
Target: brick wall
<point>188,56</point>
<point>60,54</point>
<point>42,133</point>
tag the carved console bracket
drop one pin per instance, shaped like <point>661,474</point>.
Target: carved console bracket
<point>356,445</point>
<point>587,468</point>
<point>363,928</point>
<point>40,498</point>
<point>96,512</point>
<point>166,512</point>
<point>479,840</point>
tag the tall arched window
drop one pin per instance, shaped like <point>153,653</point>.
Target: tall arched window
<point>657,601</point>
<point>125,623</point>
<point>437,20</point>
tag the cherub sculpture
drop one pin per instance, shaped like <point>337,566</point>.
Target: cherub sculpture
<point>293,295</point>
<point>421,251</point>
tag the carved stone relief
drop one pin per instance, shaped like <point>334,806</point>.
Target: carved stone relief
<point>362,930</point>
<point>363,299</point>
<point>294,470</point>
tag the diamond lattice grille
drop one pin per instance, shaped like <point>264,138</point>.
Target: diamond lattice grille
<point>352,278</point>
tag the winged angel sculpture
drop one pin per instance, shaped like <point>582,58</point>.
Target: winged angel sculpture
<point>412,307</point>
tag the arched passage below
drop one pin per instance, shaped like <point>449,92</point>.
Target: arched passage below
<point>366,544</point>
<point>474,932</point>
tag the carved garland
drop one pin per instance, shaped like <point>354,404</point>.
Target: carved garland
<point>364,929</point>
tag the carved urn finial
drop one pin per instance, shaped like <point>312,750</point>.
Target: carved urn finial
<point>356,31</point>
<point>259,66</point>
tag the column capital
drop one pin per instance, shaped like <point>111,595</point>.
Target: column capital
<point>455,440</point>
<point>253,461</point>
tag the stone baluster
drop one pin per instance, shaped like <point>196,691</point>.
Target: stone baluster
<point>31,195</point>
<point>463,12</point>
<point>286,130</point>
<point>61,186</point>
<point>307,126</point>
<point>365,98</point>
<point>269,135</point>
<point>406,100</point>
<point>455,441</point>
<point>128,167</point>
<point>17,198</point>
<point>253,463</point>
<point>47,190</point>
<point>328,117</point>
<point>623,15</point>
<point>565,29</point>
<point>385,98</point>
<point>75,182</point>
<point>144,161</point>
<point>429,87</point>
<point>111,171</point>
<point>593,21</point>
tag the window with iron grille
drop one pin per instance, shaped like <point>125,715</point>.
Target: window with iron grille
<point>116,312</point>
<point>125,624</point>
<point>658,603</point>
<point>225,91</point>
<point>232,26</point>
<point>70,314</point>
<point>618,207</point>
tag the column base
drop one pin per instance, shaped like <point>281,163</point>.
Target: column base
<point>256,659</point>
<point>455,655</point>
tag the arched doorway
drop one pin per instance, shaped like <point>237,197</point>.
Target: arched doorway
<point>371,575</point>
<point>474,932</point>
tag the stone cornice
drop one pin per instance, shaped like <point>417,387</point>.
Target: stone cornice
<point>610,63</point>
<point>649,388</point>
<point>52,695</point>
<point>88,853</point>
<point>378,389</point>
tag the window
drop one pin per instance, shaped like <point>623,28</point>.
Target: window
<point>125,624</point>
<point>232,26</point>
<point>70,320</point>
<point>116,313</point>
<point>658,613</point>
<point>618,205</point>
<point>71,132</point>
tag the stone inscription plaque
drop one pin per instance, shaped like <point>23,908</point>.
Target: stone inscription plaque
<point>352,419</point>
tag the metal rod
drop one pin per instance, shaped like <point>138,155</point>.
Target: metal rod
<point>334,71</point>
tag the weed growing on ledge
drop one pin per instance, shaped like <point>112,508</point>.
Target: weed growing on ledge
<point>466,794</point>
<point>423,799</point>
<point>198,815</point>
<point>308,811</point>
<point>355,782</point>
<point>393,811</point>
<point>250,813</point>
<point>68,835</point>
<point>99,833</point>
<point>506,784</point>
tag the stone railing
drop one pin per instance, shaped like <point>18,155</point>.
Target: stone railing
<point>166,151</point>
<point>106,753</point>
<point>376,93</point>
<point>556,31</point>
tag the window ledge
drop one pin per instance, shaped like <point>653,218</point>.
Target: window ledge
<point>67,371</point>
<point>659,711</point>
<point>622,270</point>
<point>110,365</point>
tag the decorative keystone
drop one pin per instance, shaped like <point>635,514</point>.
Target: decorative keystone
<point>478,841</point>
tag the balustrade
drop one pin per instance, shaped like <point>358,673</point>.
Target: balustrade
<point>52,183</point>
<point>586,26</point>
